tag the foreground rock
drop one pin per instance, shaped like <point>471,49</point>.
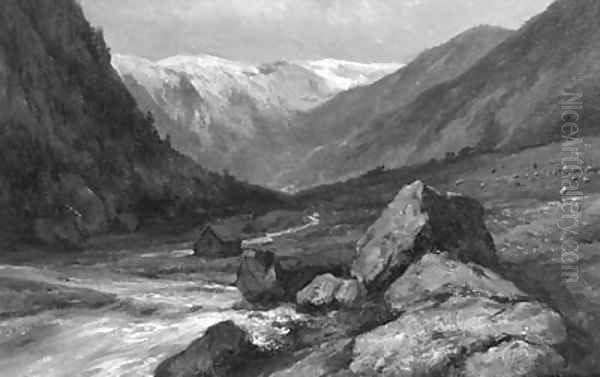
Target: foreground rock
<point>459,335</point>
<point>322,361</point>
<point>264,277</point>
<point>328,290</point>
<point>418,221</point>
<point>438,276</point>
<point>463,319</point>
<point>223,349</point>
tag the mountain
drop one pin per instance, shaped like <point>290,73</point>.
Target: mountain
<point>270,30</point>
<point>234,115</point>
<point>330,127</point>
<point>509,99</point>
<point>76,154</point>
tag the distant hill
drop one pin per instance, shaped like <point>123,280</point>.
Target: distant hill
<point>76,154</point>
<point>507,100</point>
<point>235,115</point>
<point>332,126</point>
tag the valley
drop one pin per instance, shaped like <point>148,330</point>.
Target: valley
<point>184,214</point>
<point>236,116</point>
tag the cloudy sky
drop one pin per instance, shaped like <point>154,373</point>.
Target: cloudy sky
<point>268,30</point>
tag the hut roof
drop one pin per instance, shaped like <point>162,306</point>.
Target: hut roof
<point>224,232</point>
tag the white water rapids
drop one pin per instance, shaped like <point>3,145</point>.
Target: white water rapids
<point>122,340</point>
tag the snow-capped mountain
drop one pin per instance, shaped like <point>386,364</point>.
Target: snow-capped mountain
<point>347,75</point>
<point>236,115</point>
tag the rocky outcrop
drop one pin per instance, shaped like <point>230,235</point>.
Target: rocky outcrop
<point>418,221</point>
<point>443,336</point>
<point>220,351</point>
<point>446,314</point>
<point>328,290</point>
<point>436,275</point>
<point>266,277</point>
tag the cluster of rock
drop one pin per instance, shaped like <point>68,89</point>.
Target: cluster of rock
<point>428,262</point>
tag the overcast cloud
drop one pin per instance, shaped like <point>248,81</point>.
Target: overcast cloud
<point>266,30</point>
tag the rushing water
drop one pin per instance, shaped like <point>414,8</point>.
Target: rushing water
<point>117,342</point>
<point>121,341</point>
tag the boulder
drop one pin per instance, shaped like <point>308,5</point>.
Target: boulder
<point>326,290</point>
<point>436,275</point>
<point>263,276</point>
<point>223,348</point>
<point>440,338</point>
<point>418,221</point>
<point>257,278</point>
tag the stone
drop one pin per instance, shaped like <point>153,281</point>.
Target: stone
<point>439,338</point>
<point>515,358</point>
<point>282,277</point>
<point>322,361</point>
<point>320,292</point>
<point>349,293</point>
<point>257,277</point>
<point>223,348</point>
<point>418,221</point>
<point>326,290</point>
<point>436,275</point>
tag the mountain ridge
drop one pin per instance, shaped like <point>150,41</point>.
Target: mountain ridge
<point>236,115</point>
<point>334,124</point>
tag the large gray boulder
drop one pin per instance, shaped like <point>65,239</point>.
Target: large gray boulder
<point>436,275</point>
<point>451,335</point>
<point>418,221</point>
<point>221,350</point>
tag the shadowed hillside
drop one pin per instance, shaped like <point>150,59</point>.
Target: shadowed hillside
<point>75,151</point>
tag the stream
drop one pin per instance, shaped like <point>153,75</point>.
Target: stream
<point>118,342</point>
<point>152,320</point>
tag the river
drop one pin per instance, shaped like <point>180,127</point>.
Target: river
<point>152,319</point>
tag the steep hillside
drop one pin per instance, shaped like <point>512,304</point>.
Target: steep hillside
<point>332,124</point>
<point>233,115</point>
<point>509,99</point>
<point>76,154</point>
